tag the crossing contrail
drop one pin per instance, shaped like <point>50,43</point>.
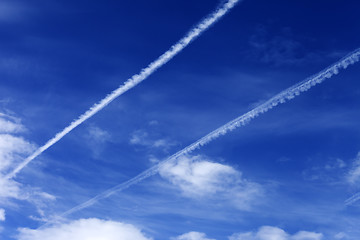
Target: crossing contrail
<point>134,80</point>
<point>352,199</point>
<point>282,97</point>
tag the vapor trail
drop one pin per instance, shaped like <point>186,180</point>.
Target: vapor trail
<point>135,79</point>
<point>352,199</point>
<point>282,97</point>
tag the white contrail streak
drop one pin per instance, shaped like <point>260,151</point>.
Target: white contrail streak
<point>352,199</point>
<point>282,97</point>
<point>134,80</point>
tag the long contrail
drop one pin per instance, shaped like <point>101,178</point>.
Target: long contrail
<point>352,199</point>
<point>282,97</point>
<point>135,79</point>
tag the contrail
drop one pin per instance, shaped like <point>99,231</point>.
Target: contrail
<point>282,97</point>
<point>135,79</point>
<point>352,199</point>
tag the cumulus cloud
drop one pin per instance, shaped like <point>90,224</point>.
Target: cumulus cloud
<point>275,233</point>
<point>354,173</point>
<point>192,236</point>
<point>2,214</point>
<point>198,177</point>
<point>85,229</point>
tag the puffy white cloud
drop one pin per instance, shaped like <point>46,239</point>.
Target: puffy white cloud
<point>275,233</point>
<point>198,177</point>
<point>85,229</point>
<point>354,174</point>
<point>192,236</point>
<point>2,214</point>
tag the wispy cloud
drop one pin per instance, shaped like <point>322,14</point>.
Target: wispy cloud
<point>13,147</point>
<point>200,178</point>
<point>85,229</point>
<point>135,79</point>
<point>275,233</point>
<point>283,48</point>
<point>353,177</point>
<point>11,11</point>
<point>192,236</point>
<point>242,120</point>
<point>354,173</point>
<point>2,214</point>
<point>96,138</point>
<point>146,139</point>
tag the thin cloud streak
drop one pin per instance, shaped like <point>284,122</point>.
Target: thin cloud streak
<point>282,97</point>
<point>353,199</point>
<point>134,80</point>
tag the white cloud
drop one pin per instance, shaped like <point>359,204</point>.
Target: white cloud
<point>13,149</point>
<point>85,229</point>
<point>198,177</point>
<point>340,235</point>
<point>303,235</point>
<point>2,214</point>
<point>354,174</point>
<point>9,189</point>
<point>275,233</point>
<point>143,138</point>
<point>337,164</point>
<point>10,124</point>
<point>96,138</point>
<point>192,236</point>
<point>97,134</point>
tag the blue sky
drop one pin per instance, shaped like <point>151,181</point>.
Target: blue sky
<point>285,175</point>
